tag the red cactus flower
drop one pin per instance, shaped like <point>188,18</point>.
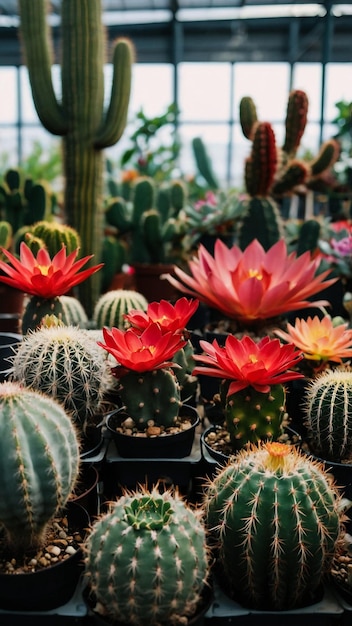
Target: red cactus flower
<point>253,284</point>
<point>247,363</point>
<point>170,317</point>
<point>42,276</point>
<point>152,349</point>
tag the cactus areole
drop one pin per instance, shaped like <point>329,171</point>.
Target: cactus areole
<point>80,118</point>
<point>274,516</point>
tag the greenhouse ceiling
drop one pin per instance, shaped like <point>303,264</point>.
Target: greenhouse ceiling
<point>172,31</point>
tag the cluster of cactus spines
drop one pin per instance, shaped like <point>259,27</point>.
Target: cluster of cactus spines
<point>147,560</point>
<point>328,412</point>
<point>203,163</point>
<point>73,312</point>
<point>80,116</point>
<point>39,453</point>
<point>274,517</point>
<point>113,305</point>
<point>53,236</point>
<point>22,203</point>
<point>252,416</point>
<point>65,363</point>
<point>152,395</point>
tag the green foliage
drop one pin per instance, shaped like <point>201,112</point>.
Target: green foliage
<point>165,540</point>
<point>39,464</point>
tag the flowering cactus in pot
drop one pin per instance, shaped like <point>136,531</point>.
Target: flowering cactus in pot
<point>274,518</point>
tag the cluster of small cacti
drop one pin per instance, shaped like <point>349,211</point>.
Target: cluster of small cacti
<point>86,123</point>
<point>273,517</point>
<point>214,215</point>
<point>40,455</point>
<point>65,363</point>
<point>22,203</point>
<point>272,172</point>
<point>51,235</point>
<point>113,305</point>
<point>252,416</point>
<point>328,412</point>
<point>147,560</point>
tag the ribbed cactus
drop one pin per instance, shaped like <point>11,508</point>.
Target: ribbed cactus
<point>203,163</point>
<point>296,121</point>
<point>274,517</point>
<point>54,235</point>
<point>39,454</point>
<point>328,411</point>
<point>79,117</point>
<point>65,363</point>
<point>153,395</point>
<point>73,312</point>
<point>147,560</point>
<point>113,305</point>
<point>252,416</point>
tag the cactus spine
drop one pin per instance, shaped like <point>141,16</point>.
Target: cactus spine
<point>79,118</point>
<point>112,306</point>
<point>252,416</point>
<point>65,363</point>
<point>39,454</point>
<point>275,518</point>
<point>54,235</point>
<point>147,560</point>
<point>328,410</point>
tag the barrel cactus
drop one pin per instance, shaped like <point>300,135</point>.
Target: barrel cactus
<point>39,454</point>
<point>147,560</point>
<point>113,305</point>
<point>274,515</point>
<point>73,313</point>
<point>65,363</point>
<point>328,412</point>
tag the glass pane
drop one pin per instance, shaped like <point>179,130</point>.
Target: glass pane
<point>152,89</point>
<point>267,84</point>
<point>338,87</point>
<point>204,91</point>
<point>8,148</point>
<point>8,101</point>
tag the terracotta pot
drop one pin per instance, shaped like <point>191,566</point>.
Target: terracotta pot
<point>148,280</point>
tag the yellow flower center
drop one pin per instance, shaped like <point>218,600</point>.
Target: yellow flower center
<point>255,273</point>
<point>278,456</point>
<point>44,269</point>
<point>252,358</point>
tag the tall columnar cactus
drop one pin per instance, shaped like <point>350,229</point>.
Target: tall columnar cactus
<point>39,454</point>
<point>152,395</point>
<point>328,410</point>
<point>79,117</point>
<point>252,416</point>
<point>147,560</point>
<point>274,517</point>
<point>113,305</point>
<point>65,363</point>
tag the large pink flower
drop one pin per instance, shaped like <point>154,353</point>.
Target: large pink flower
<point>253,284</point>
<point>247,363</point>
<point>42,276</point>
<point>170,317</point>
<point>152,349</point>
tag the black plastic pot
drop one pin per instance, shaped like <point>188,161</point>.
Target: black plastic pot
<point>52,586</point>
<point>341,472</point>
<point>8,343</point>
<point>171,446</point>
<point>86,493</point>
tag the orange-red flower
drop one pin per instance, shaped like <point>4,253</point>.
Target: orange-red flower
<point>42,276</point>
<point>152,349</point>
<point>247,363</point>
<point>319,339</point>
<point>252,284</point>
<point>170,317</point>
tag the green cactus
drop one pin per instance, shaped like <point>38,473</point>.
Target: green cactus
<point>248,116</point>
<point>65,363</point>
<point>296,121</point>
<point>328,413</point>
<point>188,383</point>
<point>113,305</point>
<point>54,235</point>
<point>262,221</point>
<point>147,560</point>
<point>37,308</point>
<point>5,234</point>
<point>22,203</point>
<point>73,312</point>
<point>203,163</point>
<point>274,517</point>
<point>152,395</point>
<point>79,117</point>
<point>252,416</point>
<point>308,237</point>
<point>39,454</point>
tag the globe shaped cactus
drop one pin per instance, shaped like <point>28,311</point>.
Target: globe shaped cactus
<point>147,559</point>
<point>274,516</point>
<point>39,458</point>
<point>113,305</point>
